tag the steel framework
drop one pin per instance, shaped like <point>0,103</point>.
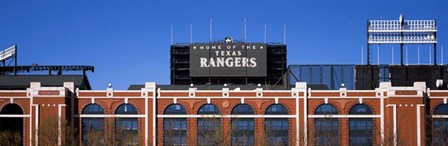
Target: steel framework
<point>5,70</point>
<point>401,32</point>
<point>9,54</point>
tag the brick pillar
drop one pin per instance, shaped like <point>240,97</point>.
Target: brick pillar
<point>405,113</point>
<point>49,113</point>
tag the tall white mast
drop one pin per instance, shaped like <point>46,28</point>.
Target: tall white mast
<point>191,34</point>
<point>418,55</point>
<point>441,53</point>
<point>430,55</point>
<point>171,34</point>
<point>378,55</point>
<point>407,55</point>
<point>284,34</point>
<point>393,59</point>
<point>264,33</point>
<point>210,29</point>
<point>245,35</point>
<point>362,54</point>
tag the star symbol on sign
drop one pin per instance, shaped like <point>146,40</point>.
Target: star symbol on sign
<point>261,47</point>
<point>194,47</point>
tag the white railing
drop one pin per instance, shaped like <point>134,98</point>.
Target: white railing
<point>420,38</point>
<point>408,26</point>
<point>7,53</point>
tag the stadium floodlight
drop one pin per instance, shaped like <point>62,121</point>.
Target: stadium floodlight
<point>8,53</point>
<point>401,32</point>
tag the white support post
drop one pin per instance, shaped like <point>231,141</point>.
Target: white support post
<point>393,60</point>
<point>418,55</point>
<point>171,34</point>
<point>441,55</point>
<point>210,29</point>
<point>378,55</point>
<point>362,55</point>
<point>265,33</point>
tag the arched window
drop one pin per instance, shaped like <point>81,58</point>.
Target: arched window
<point>361,129</point>
<point>175,129</point>
<point>276,129</point>
<point>126,128</point>
<point>243,128</point>
<point>93,127</point>
<point>209,128</point>
<point>14,126</point>
<point>440,125</point>
<point>326,129</point>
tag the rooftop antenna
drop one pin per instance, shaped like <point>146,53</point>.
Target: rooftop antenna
<point>392,55</point>
<point>429,54</point>
<point>441,54</point>
<point>407,55</point>
<point>245,35</point>
<point>378,55</point>
<point>171,28</point>
<point>418,55</point>
<point>210,29</point>
<point>191,34</point>
<point>362,54</point>
<point>264,33</point>
<point>284,34</point>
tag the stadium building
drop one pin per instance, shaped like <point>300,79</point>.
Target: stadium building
<point>237,93</point>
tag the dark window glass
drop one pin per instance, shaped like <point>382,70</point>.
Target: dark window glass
<point>208,109</point>
<point>126,129</point>
<point>175,129</point>
<point>326,129</point>
<point>91,127</point>
<point>243,128</point>
<point>440,126</point>
<point>361,129</point>
<point>326,109</point>
<point>276,129</point>
<point>175,109</point>
<point>209,128</point>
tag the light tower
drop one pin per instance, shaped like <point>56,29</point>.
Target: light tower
<point>401,32</point>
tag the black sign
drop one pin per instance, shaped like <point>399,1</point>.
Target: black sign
<point>228,60</point>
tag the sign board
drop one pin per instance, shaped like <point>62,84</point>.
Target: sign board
<point>8,53</point>
<point>228,60</point>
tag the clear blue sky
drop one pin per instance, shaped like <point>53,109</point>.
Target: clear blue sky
<point>128,40</point>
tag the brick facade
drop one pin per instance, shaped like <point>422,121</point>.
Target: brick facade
<point>400,109</point>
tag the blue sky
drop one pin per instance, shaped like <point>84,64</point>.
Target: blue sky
<point>128,40</point>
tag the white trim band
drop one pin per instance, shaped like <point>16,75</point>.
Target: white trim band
<point>226,116</point>
<point>110,116</point>
<point>439,116</point>
<point>344,116</point>
<point>14,116</point>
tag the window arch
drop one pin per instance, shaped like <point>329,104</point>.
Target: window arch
<point>440,125</point>
<point>209,128</point>
<point>13,125</point>
<point>126,129</point>
<point>243,128</point>
<point>276,129</point>
<point>361,129</point>
<point>326,129</point>
<point>175,129</point>
<point>92,126</point>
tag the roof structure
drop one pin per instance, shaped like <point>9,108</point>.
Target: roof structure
<point>23,81</point>
<point>212,87</point>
